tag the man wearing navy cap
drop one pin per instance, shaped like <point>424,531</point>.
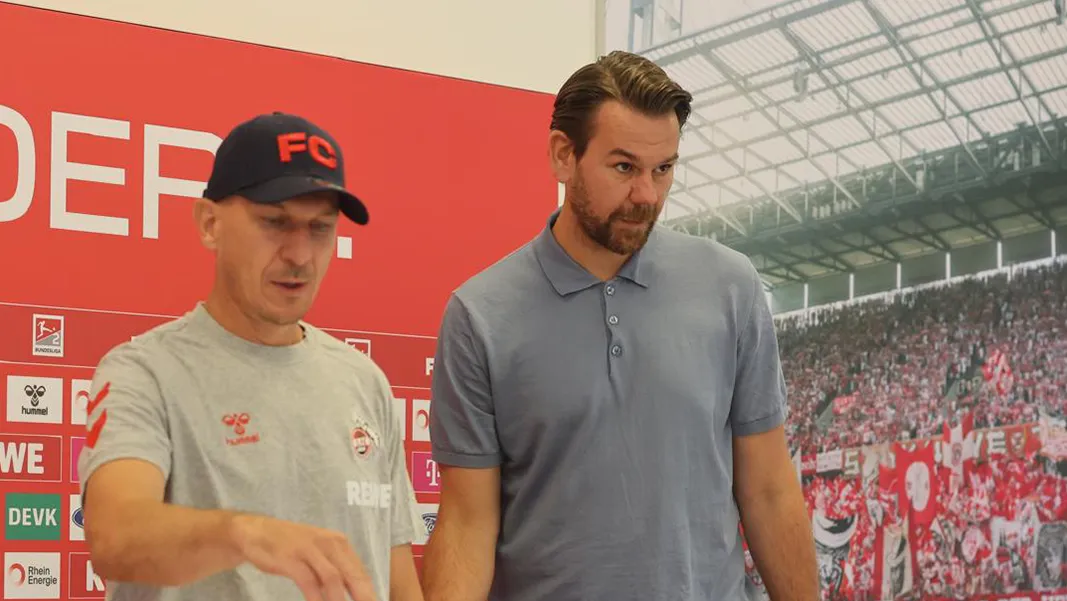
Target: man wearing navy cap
<point>238,452</point>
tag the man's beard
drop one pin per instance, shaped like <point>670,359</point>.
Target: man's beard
<point>623,241</point>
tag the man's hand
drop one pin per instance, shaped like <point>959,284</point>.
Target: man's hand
<point>320,562</point>
<point>774,516</point>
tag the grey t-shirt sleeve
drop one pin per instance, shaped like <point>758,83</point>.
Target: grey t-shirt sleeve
<point>462,420</point>
<point>127,418</point>
<point>759,401</point>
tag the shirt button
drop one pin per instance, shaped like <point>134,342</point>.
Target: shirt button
<point>616,350</point>
<point>614,319</point>
<point>610,289</point>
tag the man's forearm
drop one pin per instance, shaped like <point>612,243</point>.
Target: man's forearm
<point>162,544</point>
<point>457,564</point>
<point>403,579</point>
<point>780,539</point>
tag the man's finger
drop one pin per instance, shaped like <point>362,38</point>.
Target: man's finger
<point>329,577</point>
<point>305,580</point>
<point>355,577</point>
<point>365,591</point>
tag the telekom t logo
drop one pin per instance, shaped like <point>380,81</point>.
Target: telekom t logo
<point>431,473</point>
<point>425,476</point>
<point>319,149</point>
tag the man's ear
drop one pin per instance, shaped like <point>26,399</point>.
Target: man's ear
<point>206,216</point>
<point>561,156</point>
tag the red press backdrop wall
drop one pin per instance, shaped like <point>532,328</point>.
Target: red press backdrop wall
<point>106,131</point>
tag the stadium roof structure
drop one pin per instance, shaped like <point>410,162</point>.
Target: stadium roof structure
<point>829,135</point>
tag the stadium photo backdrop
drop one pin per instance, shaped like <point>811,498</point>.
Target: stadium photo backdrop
<point>107,131</point>
<point>932,447</point>
<point>897,172</point>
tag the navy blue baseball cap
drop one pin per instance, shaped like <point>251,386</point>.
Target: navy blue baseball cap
<point>271,158</point>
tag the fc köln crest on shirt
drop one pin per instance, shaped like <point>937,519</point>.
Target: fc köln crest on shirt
<point>363,440</point>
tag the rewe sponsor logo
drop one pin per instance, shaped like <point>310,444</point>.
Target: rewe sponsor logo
<point>30,458</point>
<point>373,495</point>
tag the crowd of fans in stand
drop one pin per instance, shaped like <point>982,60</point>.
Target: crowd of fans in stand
<point>903,368</point>
<point>910,364</point>
<point>1000,533</point>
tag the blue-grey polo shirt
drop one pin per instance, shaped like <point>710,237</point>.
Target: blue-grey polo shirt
<point>609,408</point>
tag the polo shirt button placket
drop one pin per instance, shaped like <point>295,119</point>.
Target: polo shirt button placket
<point>613,320</point>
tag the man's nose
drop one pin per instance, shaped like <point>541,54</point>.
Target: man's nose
<point>644,190</point>
<point>297,248</point>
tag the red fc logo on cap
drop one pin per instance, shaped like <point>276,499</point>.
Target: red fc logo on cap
<point>318,147</point>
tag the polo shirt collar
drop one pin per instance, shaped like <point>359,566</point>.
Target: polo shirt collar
<point>567,276</point>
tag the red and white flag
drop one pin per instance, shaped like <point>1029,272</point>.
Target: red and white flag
<point>997,371</point>
<point>958,449</point>
<point>918,482</point>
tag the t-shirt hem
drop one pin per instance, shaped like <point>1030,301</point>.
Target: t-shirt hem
<point>466,460</point>
<point>101,459</point>
<point>761,425</point>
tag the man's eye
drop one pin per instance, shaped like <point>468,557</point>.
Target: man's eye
<point>623,167</point>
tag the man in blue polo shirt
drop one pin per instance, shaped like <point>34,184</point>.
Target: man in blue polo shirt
<point>608,403</point>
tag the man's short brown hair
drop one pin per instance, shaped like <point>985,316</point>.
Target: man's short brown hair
<point>625,77</point>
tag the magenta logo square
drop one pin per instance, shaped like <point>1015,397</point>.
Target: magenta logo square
<point>424,474</point>
<point>76,446</point>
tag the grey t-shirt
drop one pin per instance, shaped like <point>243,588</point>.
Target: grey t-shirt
<point>306,433</point>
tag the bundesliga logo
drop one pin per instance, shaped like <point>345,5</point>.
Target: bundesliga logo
<point>48,335</point>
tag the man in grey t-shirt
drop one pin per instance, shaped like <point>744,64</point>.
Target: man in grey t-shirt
<point>608,403</point>
<point>238,453</point>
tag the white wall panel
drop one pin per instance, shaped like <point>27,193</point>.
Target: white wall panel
<point>528,44</point>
